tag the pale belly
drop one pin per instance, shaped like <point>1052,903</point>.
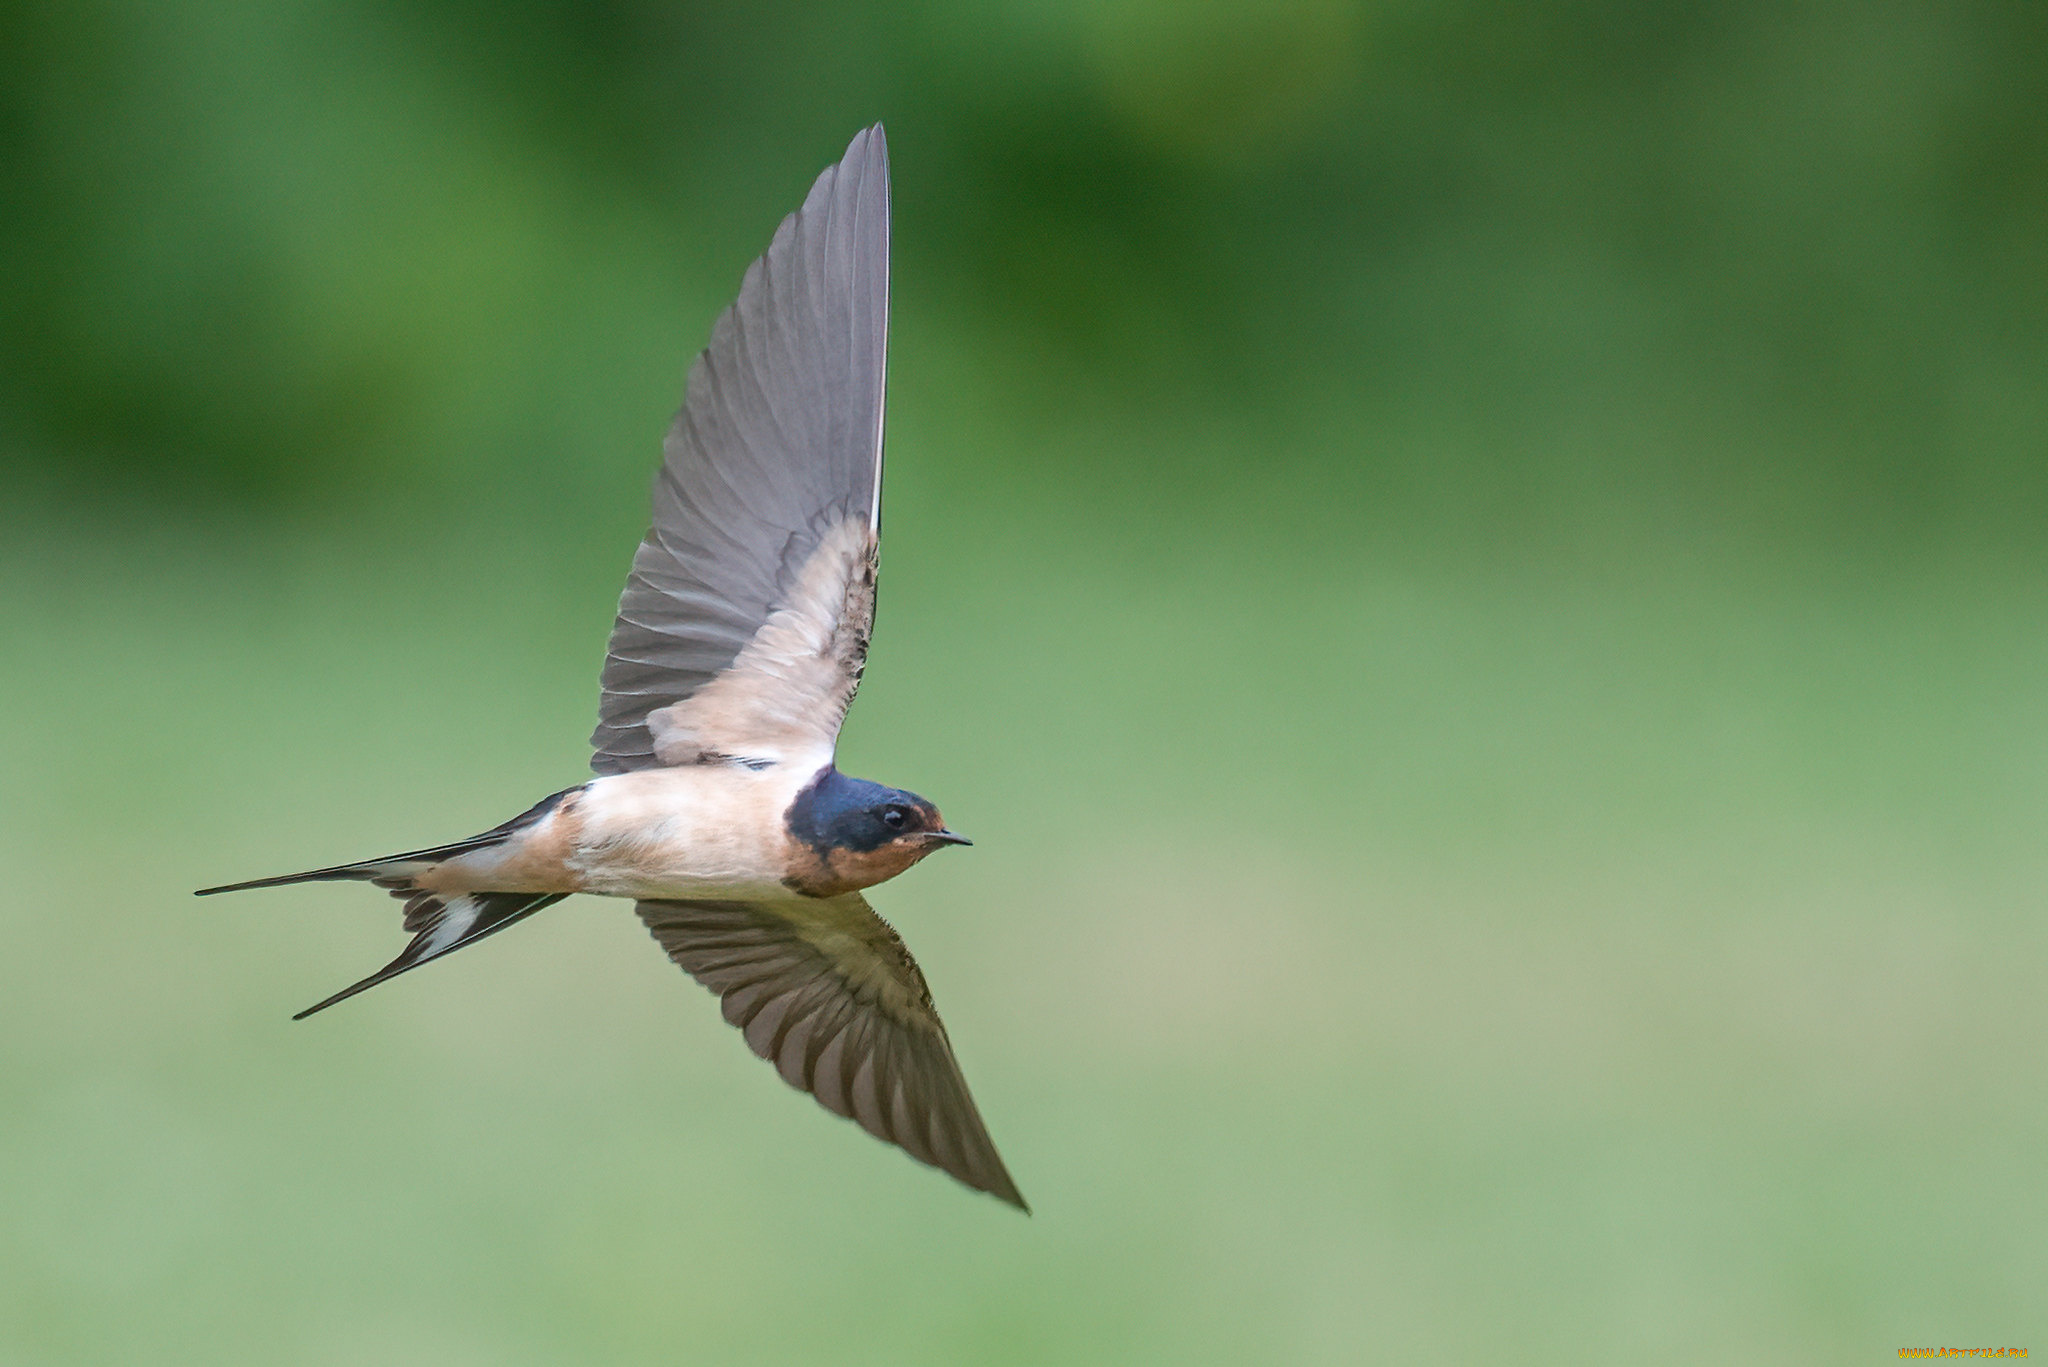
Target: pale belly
<point>679,860</point>
<point>696,832</point>
<point>701,832</point>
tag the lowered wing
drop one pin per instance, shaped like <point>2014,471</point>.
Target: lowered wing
<point>825,990</point>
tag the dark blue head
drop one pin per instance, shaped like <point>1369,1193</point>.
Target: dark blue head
<point>840,813</point>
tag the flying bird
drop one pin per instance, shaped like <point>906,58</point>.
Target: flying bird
<point>739,643</point>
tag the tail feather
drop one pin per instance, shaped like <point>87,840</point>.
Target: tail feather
<point>393,866</point>
<point>398,867</point>
<point>444,925</point>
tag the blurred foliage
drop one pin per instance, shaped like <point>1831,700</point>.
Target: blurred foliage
<point>1475,572</point>
<point>1774,269</point>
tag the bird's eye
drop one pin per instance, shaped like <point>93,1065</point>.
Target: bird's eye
<point>894,817</point>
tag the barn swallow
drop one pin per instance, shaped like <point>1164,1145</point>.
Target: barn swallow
<point>740,640</point>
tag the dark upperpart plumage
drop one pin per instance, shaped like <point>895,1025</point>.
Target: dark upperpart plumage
<point>836,812</point>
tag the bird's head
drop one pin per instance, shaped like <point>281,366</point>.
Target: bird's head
<point>851,833</point>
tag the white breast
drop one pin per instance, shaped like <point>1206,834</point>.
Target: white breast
<point>696,831</point>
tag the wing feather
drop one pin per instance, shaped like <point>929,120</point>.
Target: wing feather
<point>827,993</point>
<point>767,501</point>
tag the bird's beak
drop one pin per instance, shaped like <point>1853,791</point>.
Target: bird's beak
<point>943,837</point>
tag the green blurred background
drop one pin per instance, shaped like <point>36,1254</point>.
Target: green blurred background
<point>1475,570</point>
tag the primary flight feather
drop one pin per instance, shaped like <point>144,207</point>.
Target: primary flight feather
<point>739,644</point>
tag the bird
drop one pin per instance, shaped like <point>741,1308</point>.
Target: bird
<point>741,635</point>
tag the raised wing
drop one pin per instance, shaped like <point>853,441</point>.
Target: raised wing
<point>744,624</point>
<point>826,992</point>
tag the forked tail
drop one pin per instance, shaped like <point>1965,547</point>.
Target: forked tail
<point>440,922</point>
<point>445,922</point>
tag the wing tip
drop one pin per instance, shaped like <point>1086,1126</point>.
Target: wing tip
<point>1009,1195</point>
<point>872,136</point>
<point>864,164</point>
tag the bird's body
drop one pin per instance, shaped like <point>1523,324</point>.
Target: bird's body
<point>740,641</point>
<point>712,831</point>
<point>717,831</point>
<point>709,831</point>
